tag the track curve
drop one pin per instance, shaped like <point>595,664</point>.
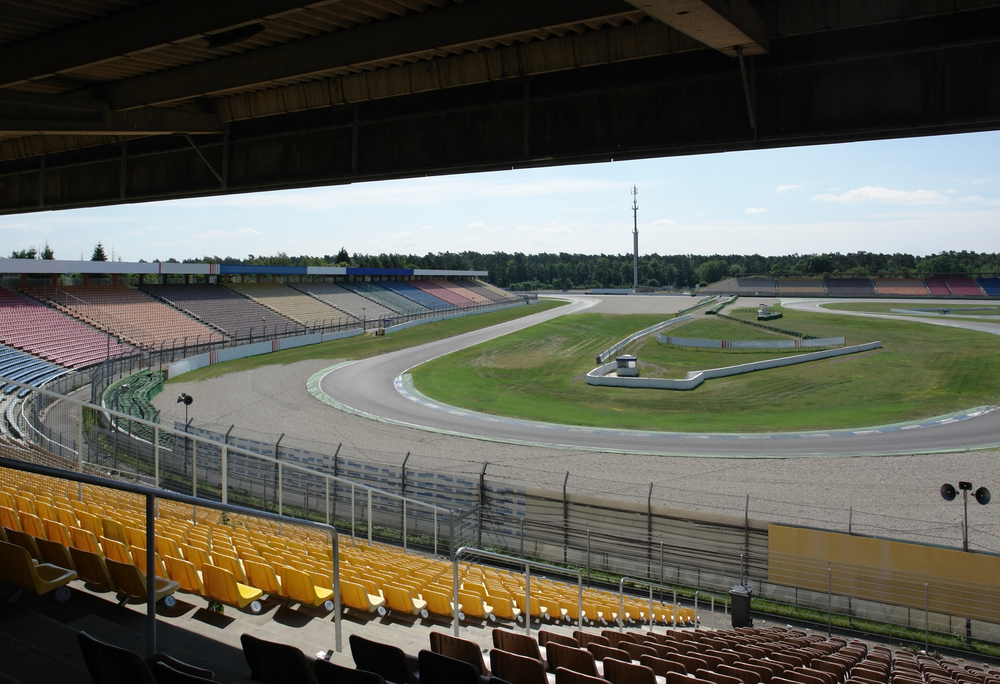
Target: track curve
<point>377,388</point>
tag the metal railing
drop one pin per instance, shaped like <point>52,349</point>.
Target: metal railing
<point>527,564</point>
<point>151,495</point>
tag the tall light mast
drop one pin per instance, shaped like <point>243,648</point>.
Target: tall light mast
<point>635,238</point>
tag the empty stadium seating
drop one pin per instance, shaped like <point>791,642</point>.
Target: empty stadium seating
<point>417,295</point>
<point>459,288</point>
<point>801,286</point>
<point>33,327</point>
<point>293,304</point>
<point>385,297</point>
<point>443,293</point>
<point>964,287</point>
<point>128,313</point>
<point>991,286</point>
<point>223,308</point>
<point>351,303</point>
<point>849,286</point>
<point>489,291</point>
<point>937,287</point>
<point>20,367</point>
<point>900,286</point>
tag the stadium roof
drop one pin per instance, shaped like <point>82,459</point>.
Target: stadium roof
<point>110,101</point>
<point>60,267</point>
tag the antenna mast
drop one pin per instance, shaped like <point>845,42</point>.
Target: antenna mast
<point>635,238</point>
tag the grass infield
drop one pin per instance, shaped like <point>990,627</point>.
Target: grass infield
<point>365,346</point>
<point>538,374</point>
<point>879,307</point>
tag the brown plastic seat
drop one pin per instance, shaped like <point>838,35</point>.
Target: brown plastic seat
<point>517,669</point>
<point>601,652</point>
<point>575,659</point>
<point>55,553</point>
<point>518,644</point>
<point>91,568</point>
<point>460,649</point>
<point>662,667</point>
<point>619,672</point>
<point>565,676</point>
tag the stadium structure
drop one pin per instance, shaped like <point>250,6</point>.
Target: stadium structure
<point>136,550</point>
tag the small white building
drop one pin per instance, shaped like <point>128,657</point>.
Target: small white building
<point>628,366</point>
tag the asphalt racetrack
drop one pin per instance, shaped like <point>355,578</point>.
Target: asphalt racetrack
<point>378,389</point>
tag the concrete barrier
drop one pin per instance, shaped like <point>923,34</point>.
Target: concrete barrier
<point>751,344</point>
<point>616,349</point>
<point>598,376</point>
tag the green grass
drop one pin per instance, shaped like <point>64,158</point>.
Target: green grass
<point>365,346</point>
<point>879,307</point>
<point>721,329</point>
<point>538,374</point>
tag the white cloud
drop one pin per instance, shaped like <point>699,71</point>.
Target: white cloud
<point>871,193</point>
<point>786,188</point>
<point>663,222</point>
<point>756,210</point>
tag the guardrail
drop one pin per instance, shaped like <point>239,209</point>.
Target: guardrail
<point>771,328</point>
<point>151,495</point>
<point>707,300</point>
<point>617,348</point>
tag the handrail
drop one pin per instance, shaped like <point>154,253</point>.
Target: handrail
<point>621,600</point>
<point>468,550</point>
<point>151,495</point>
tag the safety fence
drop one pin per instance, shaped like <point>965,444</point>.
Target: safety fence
<point>603,528</point>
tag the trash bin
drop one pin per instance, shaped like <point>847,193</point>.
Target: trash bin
<point>740,596</point>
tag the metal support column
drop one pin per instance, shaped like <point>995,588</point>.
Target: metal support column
<point>150,576</point>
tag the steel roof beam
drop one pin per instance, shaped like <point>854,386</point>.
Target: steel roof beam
<point>414,34</point>
<point>720,24</point>
<point>135,30</point>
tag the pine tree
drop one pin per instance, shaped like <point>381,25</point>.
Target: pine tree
<point>343,258</point>
<point>29,253</point>
<point>99,254</point>
<point>47,253</point>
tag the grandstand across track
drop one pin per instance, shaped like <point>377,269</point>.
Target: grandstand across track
<point>376,388</point>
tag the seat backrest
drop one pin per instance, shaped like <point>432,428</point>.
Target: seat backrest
<point>55,553</point>
<point>544,637</point>
<point>57,532</point>
<point>384,659</point>
<point>636,650</point>
<point>517,669</point>
<point>220,584</point>
<point>165,674</point>
<point>115,550</point>
<point>127,579</point>
<point>518,644</point>
<point>585,638</point>
<point>26,542</point>
<point>31,524</point>
<point>576,659</point>
<point>601,652</point>
<point>183,572</point>
<point>86,540</point>
<point>329,673</point>
<point>436,668</point>
<point>262,576</point>
<point>278,663</point>
<point>459,649</point>
<point>230,563</point>
<point>9,518</point>
<point>397,598</point>
<point>16,566</point>
<point>298,585</point>
<point>112,665</point>
<point>90,567</point>
<point>621,672</point>
<point>565,676</point>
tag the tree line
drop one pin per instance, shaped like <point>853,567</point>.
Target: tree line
<point>519,271</point>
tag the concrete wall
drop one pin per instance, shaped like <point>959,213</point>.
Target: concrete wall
<point>616,349</point>
<point>695,378</point>
<point>751,344</point>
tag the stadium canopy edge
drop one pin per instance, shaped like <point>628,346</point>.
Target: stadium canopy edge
<point>58,267</point>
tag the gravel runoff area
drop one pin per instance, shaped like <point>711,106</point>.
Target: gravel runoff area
<point>273,400</point>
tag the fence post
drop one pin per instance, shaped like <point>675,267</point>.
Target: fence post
<point>829,600</point>
<point>649,532</point>
<point>404,526</point>
<point>588,559</point>
<point>435,531</point>
<point>482,498</point>
<point>527,598</point>
<point>156,457</point>
<point>335,474</point>
<point>522,537</point>
<point>150,576</point>
<point>675,609</point>
<point>225,474</point>
<point>927,638</point>
<point>194,465</point>
<point>370,525</point>
<point>280,491</point>
<point>327,501</point>
<point>565,522</point>
<point>79,454</point>
<point>353,505</point>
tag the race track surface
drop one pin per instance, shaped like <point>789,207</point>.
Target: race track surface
<point>377,388</point>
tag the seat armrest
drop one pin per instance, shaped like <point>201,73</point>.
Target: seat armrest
<point>179,665</point>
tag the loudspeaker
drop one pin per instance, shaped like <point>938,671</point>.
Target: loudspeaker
<point>948,492</point>
<point>983,495</point>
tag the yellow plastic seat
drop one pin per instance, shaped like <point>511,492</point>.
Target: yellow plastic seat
<point>24,504</point>
<point>132,583</point>
<point>116,551</point>
<point>232,564</point>
<point>439,604</point>
<point>26,542</point>
<point>504,608</point>
<point>139,561</point>
<point>166,546</point>
<point>298,586</point>
<point>9,519</point>
<point>7,500</point>
<point>67,517</point>
<point>17,568</point>
<point>475,607</point>
<point>221,586</point>
<point>136,537</point>
<point>57,532</point>
<point>353,595</point>
<point>114,530</point>
<point>55,553</point>
<point>44,510</point>
<point>262,576</point>
<point>91,568</point>
<point>32,524</point>
<point>195,555</point>
<point>400,600</point>
<point>186,575</point>
<point>91,523</point>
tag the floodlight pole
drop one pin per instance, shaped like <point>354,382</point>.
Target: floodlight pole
<point>635,238</point>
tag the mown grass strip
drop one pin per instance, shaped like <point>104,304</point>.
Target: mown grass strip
<point>366,346</point>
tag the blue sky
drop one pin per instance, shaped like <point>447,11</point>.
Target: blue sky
<point>919,195</point>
